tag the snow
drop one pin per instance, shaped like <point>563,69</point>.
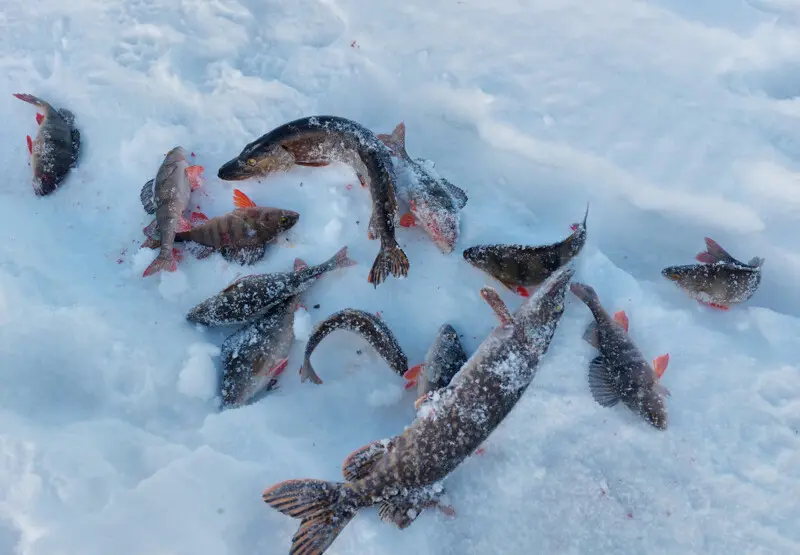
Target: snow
<point>674,119</point>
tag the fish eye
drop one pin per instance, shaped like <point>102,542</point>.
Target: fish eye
<point>283,219</point>
<point>251,161</point>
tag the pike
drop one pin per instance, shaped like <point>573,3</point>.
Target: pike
<point>620,372</point>
<point>318,141</point>
<point>251,296</point>
<point>719,281</point>
<point>404,475</point>
<point>520,267</point>
<point>368,326</point>
<point>434,201</point>
<point>56,148</point>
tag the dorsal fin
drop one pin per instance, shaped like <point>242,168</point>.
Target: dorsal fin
<point>240,200</point>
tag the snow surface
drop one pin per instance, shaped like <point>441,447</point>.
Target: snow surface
<point>675,119</point>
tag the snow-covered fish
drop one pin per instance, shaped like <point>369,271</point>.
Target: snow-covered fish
<point>167,196</point>
<point>254,356</point>
<point>404,475</point>
<point>318,141</point>
<point>444,359</point>
<point>55,150</point>
<point>721,281</point>
<point>520,267</point>
<point>241,236</point>
<point>434,202</point>
<point>620,372</point>
<point>251,296</point>
<point>368,326</point>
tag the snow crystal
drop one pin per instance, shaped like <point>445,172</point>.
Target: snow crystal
<point>198,378</point>
<point>302,324</point>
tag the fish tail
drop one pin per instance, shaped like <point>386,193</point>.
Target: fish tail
<point>307,372</point>
<point>584,292</point>
<point>340,260</point>
<point>35,100</point>
<point>390,260</point>
<point>324,508</point>
<point>396,140</point>
<point>165,260</point>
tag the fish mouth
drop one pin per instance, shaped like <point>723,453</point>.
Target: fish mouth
<point>671,274</point>
<point>233,170</point>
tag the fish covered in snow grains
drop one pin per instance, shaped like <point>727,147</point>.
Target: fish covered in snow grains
<point>56,148</point>
<point>520,267</point>
<point>720,281</point>
<point>404,475</point>
<point>318,141</point>
<point>251,296</point>
<point>620,372</point>
<point>434,201</point>
<point>368,326</point>
<point>444,359</point>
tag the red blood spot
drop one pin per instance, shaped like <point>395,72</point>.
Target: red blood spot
<point>192,154</point>
<point>378,314</point>
<point>349,187</point>
<point>353,44</point>
<point>480,451</point>
<point>630,516</point>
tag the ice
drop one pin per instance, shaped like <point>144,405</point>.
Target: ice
<point>675,119</point>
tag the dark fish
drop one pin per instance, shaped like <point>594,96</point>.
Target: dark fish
<point>251,296</point>
<point>434,201</point>
<point>404,475</point>
<point>444,359</point>
<point>519,266</point>
<point>168,197</point>
<point>720,281</point>
<point>254,356</point>
<point>620,372</point>
<point>241,236</point>
<point>368,326</point>
<point>318,141</point>
<point>56,148</point>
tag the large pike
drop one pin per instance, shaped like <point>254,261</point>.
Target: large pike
<point>519,267</point>
<point>405,475</point>
<point>434,201</point>
<point>56,148</point>
<point>318,141</point>
<point>620,372</point>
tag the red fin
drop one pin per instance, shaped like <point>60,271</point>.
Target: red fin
<point>39,118</point>
<point>278,369</point>
<point>396,140</point>
<point>151,243</point>
<point>522,291</point>
<point>622,319</point>
<point>408,220</point>
<point>411,384</point>
<point>573,227</point>
<point>197,218</point>
<point>480,451</point>
<point>705,258</point>
<point>193,173</point>
<point>299,265</point>
<point>660,364</point>
<point>240,200</point>
<point>714,305</point>
<point>342,260</point>
<point>184,225</point>
<point>167,263</point>
<point>177,255</point>
<point>413,373</point>
<point>30,144</point>
<point>362,181</point>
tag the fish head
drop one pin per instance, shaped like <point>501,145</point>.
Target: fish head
<point>479,256</point>
<point>440,224</point>
<point>175,155</point>
<point>692,276</point>
<point>257,160</point>
<point>286,219</point>
<point>538,317</point>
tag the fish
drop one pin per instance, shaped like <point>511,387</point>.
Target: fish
<point>318,141</point>
<point>444,358</point>
<point>167,196</point>
<point>57,146</point>
<point>520,267</point>
<point>251,296</point>
<point>255,356</point>
<point>404,475</point>
<point>720,281</point>
<point>620,372</point>
<point>241,236</point>
<point>435,203</point>
<point>368,326</point>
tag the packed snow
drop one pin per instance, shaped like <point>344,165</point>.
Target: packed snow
<point>674,119</point>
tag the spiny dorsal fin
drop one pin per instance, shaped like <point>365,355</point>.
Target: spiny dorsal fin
<point>240,200</point>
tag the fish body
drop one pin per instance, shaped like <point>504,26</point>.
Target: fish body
<point>435,203</point>
<point>521,266</point>
<point>368,326</point>
<point>254,356</point>
<point>318,141</point>
<point>620,372</point>
<point>55,150</point>
<point>444,359</point>
<point>404,475</point>
<point>720,280</point>
<point>251,296</point>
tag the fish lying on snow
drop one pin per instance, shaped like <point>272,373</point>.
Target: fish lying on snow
<point>241,236</point>
<point>404,475</point>
<point>251,296</point>
<point>56,148</point>
<point>368,326</point>
<point>444,358</point>
<point>519,266</point>
<point>167,196</point>
<point>434,201</point>
<point>720,281</point>
<point>318,141</point>
<point>620,372</point>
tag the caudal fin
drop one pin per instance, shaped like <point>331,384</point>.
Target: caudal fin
<point>166,260</point>
<point>324,507</point>
<point>396,141</point>
<point>389,261</point>
<point>340,260</point>
<point>35,100</point>
<point>584,292</point>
